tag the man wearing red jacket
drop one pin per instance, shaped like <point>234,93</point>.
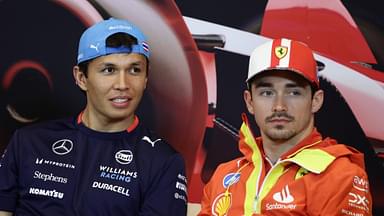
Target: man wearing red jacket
<point>291,169</point>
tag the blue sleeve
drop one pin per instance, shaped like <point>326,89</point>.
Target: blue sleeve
<point>167,194</point>
<point>8,177</point>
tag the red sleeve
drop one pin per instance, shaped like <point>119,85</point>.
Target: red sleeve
<point>343,190</point>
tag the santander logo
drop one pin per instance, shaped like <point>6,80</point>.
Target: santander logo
<point>284,196</point>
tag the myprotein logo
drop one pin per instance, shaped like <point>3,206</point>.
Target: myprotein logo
<point>124,156</point>
<point>62,147</point>
<point>41,161</point>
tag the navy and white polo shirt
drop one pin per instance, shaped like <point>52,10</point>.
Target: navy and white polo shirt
<point>64,168</point>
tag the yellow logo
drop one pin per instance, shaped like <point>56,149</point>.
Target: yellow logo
<point>281,51</point>
<point>222,204</point>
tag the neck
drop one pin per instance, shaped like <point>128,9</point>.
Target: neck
<point>104,124</point>
<point>274,149</point>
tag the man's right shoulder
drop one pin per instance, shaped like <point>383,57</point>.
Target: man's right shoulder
<point>229,167</point>
<point>49,125</point>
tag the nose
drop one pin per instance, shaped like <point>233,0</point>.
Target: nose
<point>121,81</point>
<point>279,104</point>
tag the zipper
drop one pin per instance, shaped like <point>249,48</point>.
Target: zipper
<point>258,191</point>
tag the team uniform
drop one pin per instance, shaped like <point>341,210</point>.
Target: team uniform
<point>317,177</point>
<point>64,168</point>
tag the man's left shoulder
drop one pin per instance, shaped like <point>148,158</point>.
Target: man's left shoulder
<point>151,143</point>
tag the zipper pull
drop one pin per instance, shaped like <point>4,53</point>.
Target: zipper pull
<point>255,203</point>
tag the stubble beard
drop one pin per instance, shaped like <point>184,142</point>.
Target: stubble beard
<point>280,133</point>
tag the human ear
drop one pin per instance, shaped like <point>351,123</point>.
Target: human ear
<point>248,101</point>
<point>80,78</point>
<point>317,100</point>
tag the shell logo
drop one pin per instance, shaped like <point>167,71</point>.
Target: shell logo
<point>222,204</point>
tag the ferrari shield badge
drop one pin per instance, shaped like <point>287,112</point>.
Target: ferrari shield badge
<point>281,51</point>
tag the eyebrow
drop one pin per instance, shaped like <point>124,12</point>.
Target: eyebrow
<point>267,84</point>
<point>263,84</point>
<point>108,64</point>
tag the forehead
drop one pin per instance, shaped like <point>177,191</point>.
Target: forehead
<point>280,77</point>
<point>120,58</point>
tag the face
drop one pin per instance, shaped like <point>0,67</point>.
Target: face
<point>282,105</point>
<point>114,86</point>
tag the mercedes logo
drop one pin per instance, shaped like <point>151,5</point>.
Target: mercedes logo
<point>62,147</point>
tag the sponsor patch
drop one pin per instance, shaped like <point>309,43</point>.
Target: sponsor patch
<point>283,200</point>
<point>117,174</point>
<point>181,186</point>
<point>231,179</point>
<point>42,161</point>
<point>124,156</point>
<point>221,204</point>
<point>182,177</point>
<point>49,177</point>
<point>45,192</point>
<point>62,147</point>
<point>351,213</point>
<point>360,184</point>
<point>281,51</point>
<point>111,187</point>
<point>181,196</point>
<point>358,201</point>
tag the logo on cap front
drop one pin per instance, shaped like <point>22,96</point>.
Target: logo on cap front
<point>281,51</point>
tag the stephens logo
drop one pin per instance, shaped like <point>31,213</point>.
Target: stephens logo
<point>50,177</point>
<point>124,156</point>
<point>62,147</point>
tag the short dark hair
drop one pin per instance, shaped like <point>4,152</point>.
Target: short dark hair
<point>116,40</point>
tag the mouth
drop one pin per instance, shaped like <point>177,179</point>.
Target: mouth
<point>279,120</point>
<point>121,101</point>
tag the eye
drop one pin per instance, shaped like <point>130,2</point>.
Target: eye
<point>135,70</point>
<point>266,93</point>
<point>108,70</point>
<point>295,92</point>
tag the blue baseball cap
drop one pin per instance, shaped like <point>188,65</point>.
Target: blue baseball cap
<point>93,41</point>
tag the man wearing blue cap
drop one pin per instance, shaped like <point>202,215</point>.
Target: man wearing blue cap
<point>104,161</point>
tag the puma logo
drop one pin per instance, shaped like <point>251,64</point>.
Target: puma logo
<point>96,47</point>
<point>145,138</point>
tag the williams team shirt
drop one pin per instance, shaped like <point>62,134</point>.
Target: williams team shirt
<point>64,168</point>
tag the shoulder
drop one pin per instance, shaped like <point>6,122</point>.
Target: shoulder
<point>51,125</point>
<point>154,149</point>
<point>345,156</point>
<point>150,142</point>
<point>227,168</point>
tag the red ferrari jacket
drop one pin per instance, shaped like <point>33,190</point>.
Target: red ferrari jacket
<point>317,177</point>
